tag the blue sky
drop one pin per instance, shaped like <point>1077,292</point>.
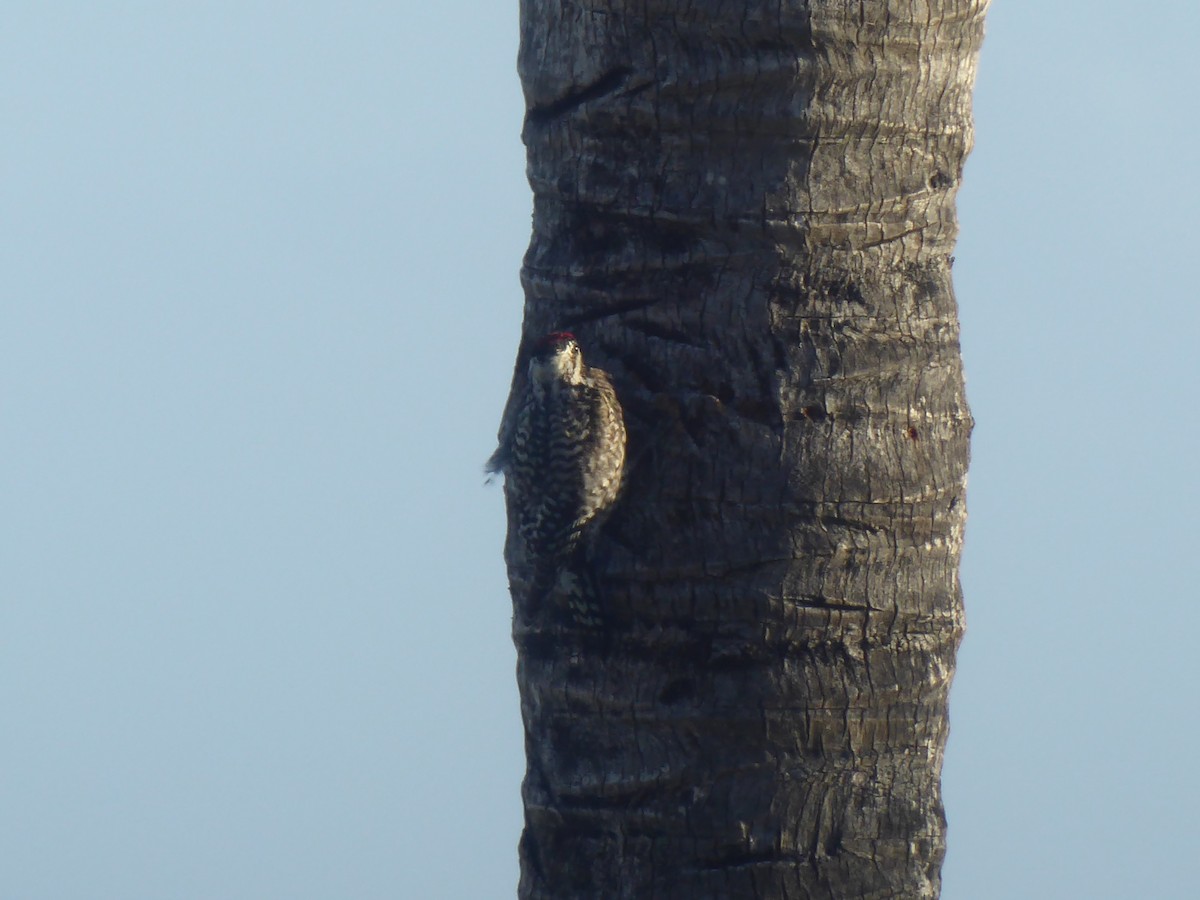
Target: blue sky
<point>259,267</point>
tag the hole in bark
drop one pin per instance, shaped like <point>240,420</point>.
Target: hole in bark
<point>814,413</point>
<point>760,411</point>
<point>530,853</point>
<point>605,84</point>
<point>598,239</point>
<point>538,645</point>
<point>647,374</point>
<point>844,290</point>
<point>673,240</point>
<point>663,332</point>
<point>678,690</point>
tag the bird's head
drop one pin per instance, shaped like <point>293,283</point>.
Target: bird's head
<point>556,357</point>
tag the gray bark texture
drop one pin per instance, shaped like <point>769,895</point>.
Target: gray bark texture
<point>745,212</point>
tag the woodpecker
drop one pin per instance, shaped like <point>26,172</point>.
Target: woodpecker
<point>562,454</point>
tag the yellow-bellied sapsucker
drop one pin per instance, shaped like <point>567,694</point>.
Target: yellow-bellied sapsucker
<point>562,453</point>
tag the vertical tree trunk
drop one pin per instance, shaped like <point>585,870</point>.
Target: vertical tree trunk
<point>745,211</point>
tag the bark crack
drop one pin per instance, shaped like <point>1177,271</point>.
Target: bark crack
<point>610,82</point>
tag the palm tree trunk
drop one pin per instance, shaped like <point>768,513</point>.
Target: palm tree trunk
<point>745,211</point>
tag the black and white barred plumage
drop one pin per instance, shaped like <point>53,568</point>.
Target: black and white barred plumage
<point>562,453</point>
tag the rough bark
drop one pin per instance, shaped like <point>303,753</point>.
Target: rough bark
<point>745,211</point>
